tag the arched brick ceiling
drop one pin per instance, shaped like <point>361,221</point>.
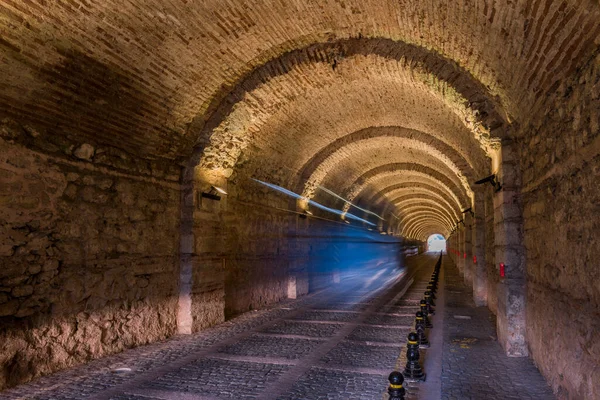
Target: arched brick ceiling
<point>426,198</point>
<point>412,189</point>
<point>166,64</point>
<point>311,104</point>
<point>425,230</point>
<point>391,172</point>
<point>300,91</point>
<point>416,223</point>
<point>412,210</point>
<point>421,186</point>
<point>409,180</point>
<point>313,171</point>
<point>327,126</point>
<point>411,227</point>
<point>378,149</point>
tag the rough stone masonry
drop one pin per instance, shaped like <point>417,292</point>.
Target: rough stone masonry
<point>117,119</point>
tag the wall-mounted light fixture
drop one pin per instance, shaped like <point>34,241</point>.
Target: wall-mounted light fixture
<point>492,179</point>
<point>214,192</point>
<point>305,214</point>
<point>468,210</point>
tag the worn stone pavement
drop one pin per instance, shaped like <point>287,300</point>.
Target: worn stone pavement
<point>340,343</point>
<point>474,364</point>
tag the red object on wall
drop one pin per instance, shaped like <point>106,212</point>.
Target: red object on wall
<point>465,255</point>
<point>502,270</point>
<point>474,259</point>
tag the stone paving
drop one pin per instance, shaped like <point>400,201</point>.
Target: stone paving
<point>474,364</point>
<point>340,343</point>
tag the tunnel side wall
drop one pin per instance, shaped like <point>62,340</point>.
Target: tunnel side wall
<point>266,251</point>
<point>561,164</point>
<point>490,258</point>
<point>88,255</point>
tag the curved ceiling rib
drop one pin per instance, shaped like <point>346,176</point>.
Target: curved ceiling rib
<point>411,225</point>
<point>313,171</point>
<point>409,213</point>
<point>409,229</point>
<point>426,185</point>
<point>177,79</point>
<point>407,204</point>
<point>399,150</point>
<point>458,90</point>
<point>426,196</point>
<point>353,190</point>
<point>423,232</point>
<point>348,143</point>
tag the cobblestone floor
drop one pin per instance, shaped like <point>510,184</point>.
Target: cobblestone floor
<point>474,365</point>
<point>340,343</point>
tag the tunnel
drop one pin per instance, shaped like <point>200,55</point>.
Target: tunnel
<point>235,199</point>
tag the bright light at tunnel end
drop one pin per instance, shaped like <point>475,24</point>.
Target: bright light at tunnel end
<point>436,243</point>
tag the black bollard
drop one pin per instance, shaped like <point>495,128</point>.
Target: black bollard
<point>430,302</point>
<point>433,284</point>
<point>420,328</point>
<point>413,370</point>
<point>396,390</point>
<point>425,312</point>
<point>430,289</point>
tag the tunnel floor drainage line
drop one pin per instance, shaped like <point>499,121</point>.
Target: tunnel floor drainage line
<point>208,352</point>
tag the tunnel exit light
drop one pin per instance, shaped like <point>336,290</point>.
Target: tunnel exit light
<point>502,270</point>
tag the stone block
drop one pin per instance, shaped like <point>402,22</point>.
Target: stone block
<point>9,308</point>
<point>84,152</point>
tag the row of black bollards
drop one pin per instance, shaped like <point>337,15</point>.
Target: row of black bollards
<point>418,339</point>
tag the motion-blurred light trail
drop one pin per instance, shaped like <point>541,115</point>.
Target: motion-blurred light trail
<point>349,202</point>
<point>315,204</point>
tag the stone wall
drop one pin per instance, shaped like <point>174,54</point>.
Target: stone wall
<point>88,253</point>
<point>267,251</point>
<point>560,160</point>
<point>490,258</point>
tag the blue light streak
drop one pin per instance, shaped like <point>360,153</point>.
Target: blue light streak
<point>314,203</point>
<point>349,202</point>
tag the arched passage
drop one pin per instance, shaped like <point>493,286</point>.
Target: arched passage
<point>104,102</point>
